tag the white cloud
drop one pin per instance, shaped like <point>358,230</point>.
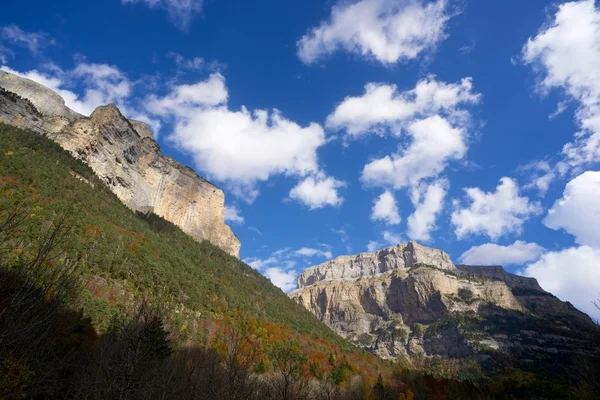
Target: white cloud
<point>392,238</point>
<point>428,201</point>
<point>433,117</point>
<point>385,209</point>
<point>566,53</point>
<point>195,63</point>
<point>4,53</point>
<point>181,12</point>
<point>183,100</point>
<point>279,267</point>
<point>518,253</point>
<point>285,280</point>
<point>578,211</point>
<point>311,252</point>
<point>382,108</point>
<point>434,143</point>
<point>571,274</point>
<point>373,246</point>
<point>494,213</point>
<point>242,148</point>
<point>232,214</point>
<point>34,41</point>
<point>386,30</point>
<point>318,191</point>
<point>259,264</point>
<point>541,175</point>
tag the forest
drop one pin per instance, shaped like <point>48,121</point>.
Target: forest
<point>100,302</point>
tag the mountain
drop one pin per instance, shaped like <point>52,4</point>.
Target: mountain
<point>100,297</point>
<point>410,301</point>
<point>125,156</point>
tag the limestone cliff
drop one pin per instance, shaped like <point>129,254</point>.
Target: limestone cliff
<point>410,300</point>
<point>124,154</point>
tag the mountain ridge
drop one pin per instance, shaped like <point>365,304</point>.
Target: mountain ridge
<point>376,300</point>
<point>126,157</point>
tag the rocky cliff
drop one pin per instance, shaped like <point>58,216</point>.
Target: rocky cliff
<point>123,154</point>
<point>409,300</point>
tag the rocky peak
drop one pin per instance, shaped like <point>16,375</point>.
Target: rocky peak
<point>399,257</point>
<point>123,154</point>
<point>384,302</point>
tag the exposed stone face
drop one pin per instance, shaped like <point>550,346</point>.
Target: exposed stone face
<point>402,256</point>
<point>124,155</point>
<point>377,300</point>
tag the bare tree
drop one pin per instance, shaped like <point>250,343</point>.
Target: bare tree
<point>35,297</point>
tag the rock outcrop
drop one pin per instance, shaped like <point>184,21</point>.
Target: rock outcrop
<point>123,154</point>
<point>409,300</point>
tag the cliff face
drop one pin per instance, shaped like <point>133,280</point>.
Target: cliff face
<point>409,300</point>
<point>123,154</point>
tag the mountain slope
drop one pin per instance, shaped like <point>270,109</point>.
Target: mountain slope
<point>125,156</point>
<point>133,252</point>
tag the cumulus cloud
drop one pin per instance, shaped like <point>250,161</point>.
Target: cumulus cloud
<point>281,273</point>
<point>33,41</point>
<point>385,30</point>
<point>312,252</point>
<point>242,148</point>
<point>183,100</point>
<point>285,280</point>
<point>434,143</point>
<point>383,108</point>
<point>5,53</point>
<point>518,253</point>
<point>573,34</point>
<point>540,174</point>
<point>232,214</point>
<point>571,274</point>
<point>429,202</point>
<point>391,238</point>
<point>181,12</point>
<point>373,246</point>
<point>388,239</point>
<point>195,63</point>
<point>493,213</point>
<point>259,263</point>
<point>432,116</point>
<point>318,191</point>
<point>385,209</point>
<point>578,211</point>
<point>280,266</point>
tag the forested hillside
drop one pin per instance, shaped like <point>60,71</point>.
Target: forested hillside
<point>99,302</point>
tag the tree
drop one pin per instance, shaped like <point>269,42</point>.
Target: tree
<point>127,362</point>
<point>290,381</point>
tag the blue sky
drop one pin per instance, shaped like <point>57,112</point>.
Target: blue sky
<point>340,126</point>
